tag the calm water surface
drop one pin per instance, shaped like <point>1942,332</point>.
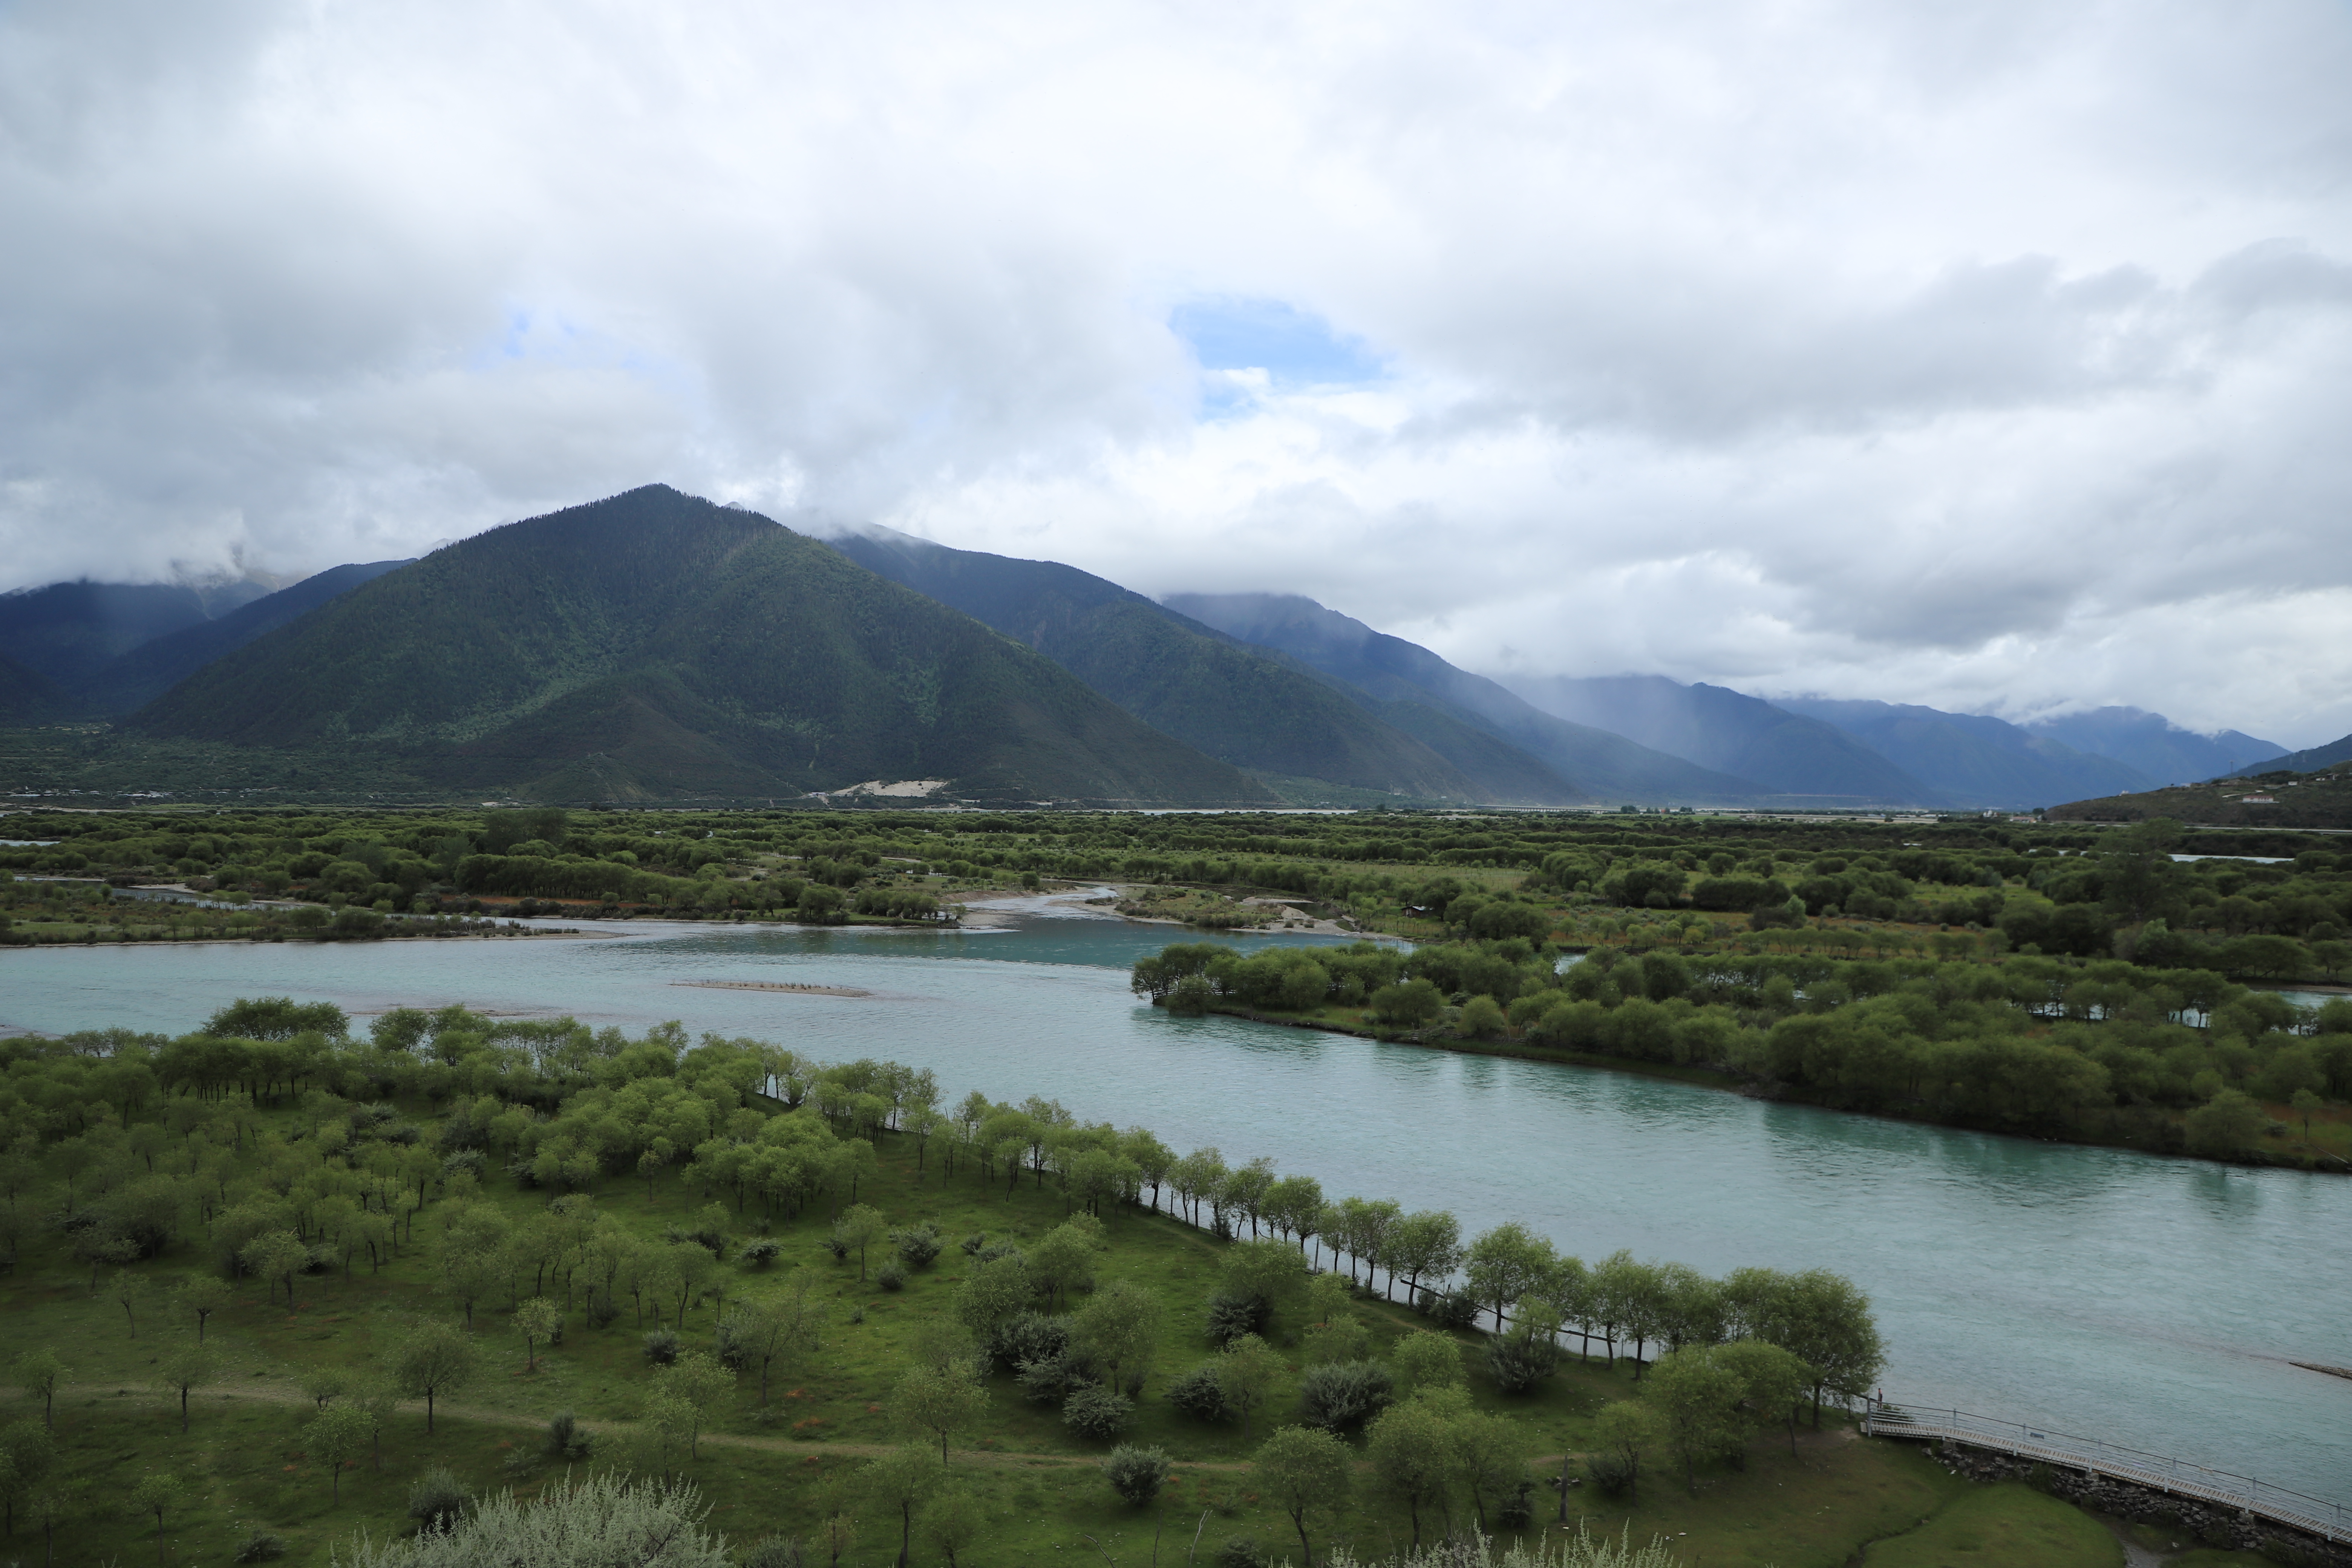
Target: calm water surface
<point>2155,1302</point>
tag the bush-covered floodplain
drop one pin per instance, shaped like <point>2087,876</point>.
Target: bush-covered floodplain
<point>272,1282</point>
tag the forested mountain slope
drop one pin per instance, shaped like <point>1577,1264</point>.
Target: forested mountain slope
<point>655,644</point>
<point>25,697</point>
<point>1394,670</point>
<point>2316,758</point>
<point>1206,689</point>
<point>67,632</point>
<point>154,668</point>
<point>1731,733</point>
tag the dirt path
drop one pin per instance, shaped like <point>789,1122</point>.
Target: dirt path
<point>985,1457</point>
<point>488,1417</point>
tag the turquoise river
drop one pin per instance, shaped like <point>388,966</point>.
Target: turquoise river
<point>2157,1303</point>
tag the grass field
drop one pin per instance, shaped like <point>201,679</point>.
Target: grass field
<point>243,1463</point>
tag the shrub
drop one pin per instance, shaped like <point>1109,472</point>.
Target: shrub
<point>567,1439</point>
<point>661,1347</point>
<point>259,1546</point>
<point>436,1500</point>
<point>1447,1309</point>
<point>838,1247</point>
<point>1191,996</point>
<point>759,1255</point>
<point>1232,1316</point>
<point>973,1244</point>
<point>1240,1551</point>
<point>1029,1336</point>
<point>1610,1473</point>
<point>1096,1413</point>
<point>917,1247</point>
<point>728,1346</point>
<point>891,1276</point>
<point>1340,1397</point>
<point>1135,1474</point>
<point>775,1552</point>
<point>1200,1393</point>
<point>602,1309</point>
<point>1519,1362</point>
<point>1517,1510</point>
<point>1053,1379</point>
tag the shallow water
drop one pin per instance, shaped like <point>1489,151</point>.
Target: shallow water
<point>2153,1302</point>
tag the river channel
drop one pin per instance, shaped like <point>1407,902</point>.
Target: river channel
<point>2153,1302</point>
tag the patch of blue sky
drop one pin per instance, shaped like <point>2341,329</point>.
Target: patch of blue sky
<point>545,338</point>
<point>1293,348</point>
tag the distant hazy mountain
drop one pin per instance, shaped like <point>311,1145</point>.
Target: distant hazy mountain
<point>1972,759</point>
<point>67,632</point>
<point>152,668</point>
<point>2312,760</point>
<point>1724,730</point>
<point>654,645</point>
<point>1394,670</point>
<point>2154,746</point>
<point>1233,701</point>
<point>25,697</point>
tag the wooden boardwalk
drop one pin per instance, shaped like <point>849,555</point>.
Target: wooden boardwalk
<point>2315,1516</point>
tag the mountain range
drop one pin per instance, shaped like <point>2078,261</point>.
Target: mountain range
<point>654,645</point>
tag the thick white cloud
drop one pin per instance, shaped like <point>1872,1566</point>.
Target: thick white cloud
<point>1994,356</point>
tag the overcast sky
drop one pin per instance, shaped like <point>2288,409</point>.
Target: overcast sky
<point>1994,356</point>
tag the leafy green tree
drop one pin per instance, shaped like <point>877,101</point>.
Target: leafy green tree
<point>202,1295</point>
<point>1412,1449</point>
<point>951,1522</point>
<point>697,1380</point>
<point>377,1400</point>
<point>38,1373</point>
<point>1489,1452</point>
<point>1773,1380</point>
<point>857,1229</point>
<point>1504,1264</point>
<point>2305,1103</point>
<point>1304,1471</point>
<point>158,1495</point>
<point>899,1482</point>
<point>1063,1259</point>
<point>28,1452</point>
<point>1826,1324</point>
<point>1120,1327</point>
<point>183,1368</point>
<point>1426,1245</point>
<point>432,1360</point>
<point>941,1401</point>
<point>2229,1123</point>
<point>537,1320</point>
<point>781,1326</point>
<point>1246,1372</point>
<point>1270,1272</point>
<point>1424,1358</point>
<point>339,1436</point>
<point>1408,1004</point>
<point>276,1255</point>
<point>992,1292</point>
<point>131,1290</point>
<point>1696,1397</point>
<point>1623,1430</point>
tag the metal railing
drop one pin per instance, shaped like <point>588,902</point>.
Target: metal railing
<point>2157,1472</point>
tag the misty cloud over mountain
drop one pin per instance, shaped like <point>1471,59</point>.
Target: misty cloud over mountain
<point>1988,359</point>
